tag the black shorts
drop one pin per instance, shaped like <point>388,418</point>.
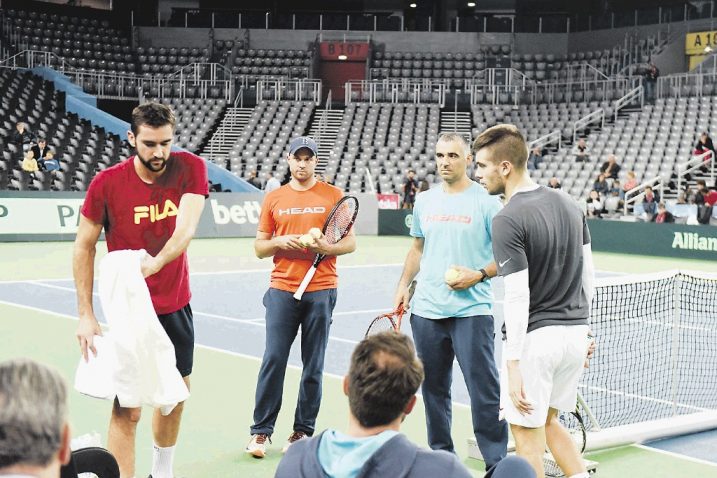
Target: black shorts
<point>179,326</point>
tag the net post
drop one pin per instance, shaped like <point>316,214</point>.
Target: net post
<point>595,424</point>
<point>674,357</point>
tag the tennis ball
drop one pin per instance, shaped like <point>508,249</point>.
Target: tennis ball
<point>452,275</point>
<point>306,240</point>
<point>316,233</point>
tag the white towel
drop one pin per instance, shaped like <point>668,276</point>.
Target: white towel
<point>143,366</point>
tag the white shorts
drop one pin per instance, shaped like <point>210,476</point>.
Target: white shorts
<point>551,365</point>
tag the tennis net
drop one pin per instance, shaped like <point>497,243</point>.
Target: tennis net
<point>653,371</point>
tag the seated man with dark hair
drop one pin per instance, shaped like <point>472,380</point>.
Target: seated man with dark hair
<point>382,382</point>
<point>383,378</point>
<point>34,431</point>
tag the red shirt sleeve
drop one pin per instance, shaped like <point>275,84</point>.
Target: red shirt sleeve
<point>94,207</point>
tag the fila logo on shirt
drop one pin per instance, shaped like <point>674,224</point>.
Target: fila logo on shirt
<point>302,210</point>
<point>153,212</point>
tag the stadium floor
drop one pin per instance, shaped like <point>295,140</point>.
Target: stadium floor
<point>37,299</point>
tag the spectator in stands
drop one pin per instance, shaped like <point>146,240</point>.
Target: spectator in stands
<point>581,151</point>
<point>699,195</point>
<point>271,184</point>
<point>40,152</point>
<point>651,75</point>
<point>650,200</point>
<point>410,188</point>
<point>704,144</point>
<point>424,186</point>
<point>535,158</point>
<point>595,204</point>
<point>610,167</point>
<point>22,137</point>
<point>384,376</point>
<point>29,163</point>
<point>616,190</point>
<point>34,431</point>
<point>631,182</point>
<point>554,183</point>
<point>614,199</point>
<point>600,185</point>
<point>253,180</point>
<point>663,215</point>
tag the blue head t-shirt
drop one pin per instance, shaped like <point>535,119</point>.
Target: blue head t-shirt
<point>456,229</point>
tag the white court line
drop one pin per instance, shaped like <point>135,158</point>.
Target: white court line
<point>252,271</point>
<point>676,455</point>
<point>202,346</point>
<point>643,397</point>
<point>238,271</point>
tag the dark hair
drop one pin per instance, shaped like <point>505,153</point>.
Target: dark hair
<point>384,374</point>
<point>506,142</point>
<point>154,115</point>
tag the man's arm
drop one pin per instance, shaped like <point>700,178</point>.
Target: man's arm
<point>469,277</point>
<point>266,245</point>
<point>190,210</point>
<point>345,246</point>
<point>410,269</point>
<point>516,314</point>
<point>83,270</point>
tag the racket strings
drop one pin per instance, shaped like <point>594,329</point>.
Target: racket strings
<point>341,221</point>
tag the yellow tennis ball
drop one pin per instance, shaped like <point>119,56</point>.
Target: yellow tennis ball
<point>316,232</point>
<point>452,275</point>
<point>306,240</point>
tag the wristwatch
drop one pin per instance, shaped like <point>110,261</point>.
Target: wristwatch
<point>484,276</point>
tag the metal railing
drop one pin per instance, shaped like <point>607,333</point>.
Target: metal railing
<point>283,89</point>
<point>706,159</point>
<point>395,91</point>
<point>498,76</point>
<point>323,120</point>
<point>369,180</point>
<point>200,80</point>
<point>594,117</point>
<point>702,81</point>
<point>630,98</point>
<point>638,192</point>
<point>550,138</point>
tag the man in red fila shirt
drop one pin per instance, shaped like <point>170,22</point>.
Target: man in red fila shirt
<point>151,201</point>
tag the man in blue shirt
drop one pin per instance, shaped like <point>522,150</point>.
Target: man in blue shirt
<point>451,310</point>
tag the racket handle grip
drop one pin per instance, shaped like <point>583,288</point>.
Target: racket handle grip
<point>305,283</point>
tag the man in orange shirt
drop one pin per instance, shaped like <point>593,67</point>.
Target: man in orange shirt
<point>287,213</point>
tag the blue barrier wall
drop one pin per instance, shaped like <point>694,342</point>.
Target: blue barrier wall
<point>85,106</point>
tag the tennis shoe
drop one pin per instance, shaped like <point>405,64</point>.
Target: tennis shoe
<point>257,445</point>
<point>293,438</point>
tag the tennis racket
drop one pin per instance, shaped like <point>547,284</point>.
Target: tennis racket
<point>391,320</point>
<point>575,425</point>
<point>337,226</point>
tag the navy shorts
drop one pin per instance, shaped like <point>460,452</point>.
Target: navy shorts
<point>179,326</point>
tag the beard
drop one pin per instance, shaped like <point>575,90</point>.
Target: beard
<point>148,164</point>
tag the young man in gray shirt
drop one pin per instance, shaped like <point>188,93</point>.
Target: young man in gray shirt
<point>541,245</point>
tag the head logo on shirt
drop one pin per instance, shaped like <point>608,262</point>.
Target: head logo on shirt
<point>303,210</point>
<point>153,213</point>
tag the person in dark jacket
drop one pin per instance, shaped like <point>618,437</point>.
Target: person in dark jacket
<point>381,386</point>
<point>663,215</point>
<point>22,136</point>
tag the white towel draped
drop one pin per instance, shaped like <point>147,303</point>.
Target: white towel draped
<point>135,361</point>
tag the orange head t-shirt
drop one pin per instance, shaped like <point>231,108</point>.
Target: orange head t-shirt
<point>287,211</point>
